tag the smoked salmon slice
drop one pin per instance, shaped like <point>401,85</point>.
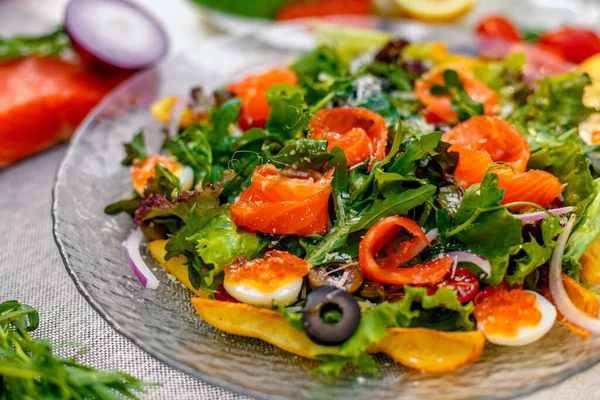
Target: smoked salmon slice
<point>284,202</point>
<point>42,100</point>
<point>343,127</point>
<point>483,141</point>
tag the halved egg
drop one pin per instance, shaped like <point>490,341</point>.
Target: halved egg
<point>143,170</point>
<point>278,276</point>
<point>513,317</point>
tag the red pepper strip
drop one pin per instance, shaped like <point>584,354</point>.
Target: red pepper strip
<point>381,235</point>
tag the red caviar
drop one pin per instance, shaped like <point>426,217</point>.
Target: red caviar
<point>267,274</point>
<point>503,311</point>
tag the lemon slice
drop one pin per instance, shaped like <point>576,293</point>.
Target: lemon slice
<point>435,10</point>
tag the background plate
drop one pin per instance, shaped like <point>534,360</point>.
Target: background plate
<point>163,323</point>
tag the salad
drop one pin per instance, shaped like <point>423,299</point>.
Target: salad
<point>390,197</point>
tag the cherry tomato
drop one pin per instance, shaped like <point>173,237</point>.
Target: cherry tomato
<point>441,106</point>
<point>253,92</point>
<point>222,295</point>
<point>571,44</point>
<point>285,202</point>
<point>381,235</point>
<point>323,8</point>
<point>497,26</point>
<point>464,282</point>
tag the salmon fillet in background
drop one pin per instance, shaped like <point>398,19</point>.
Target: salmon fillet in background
<point>42,100</point>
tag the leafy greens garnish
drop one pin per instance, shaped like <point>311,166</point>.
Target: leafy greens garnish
<point>29,369</point>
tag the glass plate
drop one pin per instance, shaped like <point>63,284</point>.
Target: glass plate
<point>163,322</point>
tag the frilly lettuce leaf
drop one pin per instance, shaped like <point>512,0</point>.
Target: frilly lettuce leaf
<point>586,232</point>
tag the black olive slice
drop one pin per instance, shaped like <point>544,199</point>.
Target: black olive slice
<point>330,316</point>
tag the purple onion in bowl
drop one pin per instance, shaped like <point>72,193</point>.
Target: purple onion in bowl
<point>115,34</point>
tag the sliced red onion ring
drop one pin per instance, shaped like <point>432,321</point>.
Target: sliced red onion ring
<point>538,215</point>
<point>115,33</point>
<point>175,115</point>
<point>562,301</point>
<point>468,257</point>
<point>132,250</point>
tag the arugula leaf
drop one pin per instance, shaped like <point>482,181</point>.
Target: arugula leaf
<point>191,148</point>
<point>164,182</point>
<point>338,234</point>
<point>50,44</point>
<point>464,106</point>
<point>323,60</point>
<point>398,78</point>
<point>586,232</point>
<point>218,134</point>
<point>536,254</point>
<point>374,324</point>
<point>135,150</point>
<point>244,168</point>
<point>288,117</point>
<point>397,204</point>
<point>303,153</point>
<point>127,205</point>
<point>417,149</point>
<point>571,167</point>
<point>486,229</point>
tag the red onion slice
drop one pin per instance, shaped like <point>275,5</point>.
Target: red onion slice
<point>137,264</point>
<point>431,236</point>
<point>115,33</point>
<point>562,301</point>
<point>467,257</point>
<point>538,215</point>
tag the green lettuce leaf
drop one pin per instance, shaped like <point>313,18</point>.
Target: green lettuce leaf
<point>571,167</point>
<point>288,117</point>
<point>210,241</point>
<point>557,104</point>
<point>191,148</point>
<point>136,149</point>
<point>220,241</point>
<point>586,232</point>
<point>536,254</point>
<point>486,229</point>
